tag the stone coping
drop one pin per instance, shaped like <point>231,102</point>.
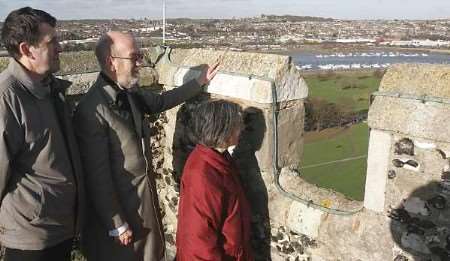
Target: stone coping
<point>417,80</point>
<point>71,62</point>
<point>428,120</point>
<point>242,75</point>
<point>325,197</point>
<point>244,87</point>
<point>81,82</point>
<point>258,64</point>
<point>298,216</point>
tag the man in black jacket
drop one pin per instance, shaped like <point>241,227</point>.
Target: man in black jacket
<point>114,143</point>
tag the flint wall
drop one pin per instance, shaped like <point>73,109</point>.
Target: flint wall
<point>404,215</point>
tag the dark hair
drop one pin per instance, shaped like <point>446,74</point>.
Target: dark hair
<point>22,25</point>
<point>214,121</point>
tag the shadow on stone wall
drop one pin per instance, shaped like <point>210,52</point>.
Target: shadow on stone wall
<point>420,225</point>
<point>249,143</point>
<point>183,142</point>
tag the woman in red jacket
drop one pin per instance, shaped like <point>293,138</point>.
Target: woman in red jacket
<point>213,215</point>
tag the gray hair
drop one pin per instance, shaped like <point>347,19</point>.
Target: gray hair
<point>103,50</point>
<point>213,122</point>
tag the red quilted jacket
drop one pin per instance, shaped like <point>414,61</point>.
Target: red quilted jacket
<point>214,215</point>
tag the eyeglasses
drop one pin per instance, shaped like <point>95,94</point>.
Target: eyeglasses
<point>399,163</point>
<point>134,57</point>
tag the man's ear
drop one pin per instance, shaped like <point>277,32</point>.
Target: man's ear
<point>24,49</point>
<point>110,63</point>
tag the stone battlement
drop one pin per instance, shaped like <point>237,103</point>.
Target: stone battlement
<point>405,213</point>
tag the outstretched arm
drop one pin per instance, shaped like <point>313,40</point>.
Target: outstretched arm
<point>154,103</point>
<point>208,73</point>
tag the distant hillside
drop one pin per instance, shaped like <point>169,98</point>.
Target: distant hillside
<point>294,18</point>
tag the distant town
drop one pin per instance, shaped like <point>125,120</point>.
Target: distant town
<point>265,33</point>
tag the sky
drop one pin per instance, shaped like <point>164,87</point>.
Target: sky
<point>342,9</point>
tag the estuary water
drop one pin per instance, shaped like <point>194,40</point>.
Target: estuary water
<point>364,60</point>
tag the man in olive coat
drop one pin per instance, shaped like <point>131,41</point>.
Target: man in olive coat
<point>41,186</point>
<point>114,143</point>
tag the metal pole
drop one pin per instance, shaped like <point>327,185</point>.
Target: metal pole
<point>164,22</point>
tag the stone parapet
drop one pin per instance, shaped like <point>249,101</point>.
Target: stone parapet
<point>246,76</point>
<point>81,82</point>
<point>264,85</point>
<point>305,217</point>
<point>407,196</point>
<point>251,79</point>
<point>246,63</point>
<point>408,184</point>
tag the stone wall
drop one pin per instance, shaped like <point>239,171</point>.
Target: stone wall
<point>293,220</point>
<point>404,215</point>
<point>409,160</point>
<point>405,209</point>
<point>249,79</point>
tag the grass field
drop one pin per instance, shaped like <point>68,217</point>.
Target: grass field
<point>349,89</point>
<point>352,90</point>
<point>332,145</point>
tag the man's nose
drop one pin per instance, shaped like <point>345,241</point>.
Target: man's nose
<point>139,62</point>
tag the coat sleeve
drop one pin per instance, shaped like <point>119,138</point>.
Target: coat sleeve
<point>154,103</point>
<point>10,142</point>
<point>206,216</point>
<point>92,137</point>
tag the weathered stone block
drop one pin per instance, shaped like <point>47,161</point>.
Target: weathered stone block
<point>304,220</point>
<point>363,236</point>
<point>417,80</point>
<point>240,74</point>
<point>428,120</point>
<point>80,82</point>
<point>290,120</point>
<point>246,87</point>
<point>244,63</point>
<point>256,139</point>
<point>377,169</point>
<point>83,81</point>
<point>431,165</point>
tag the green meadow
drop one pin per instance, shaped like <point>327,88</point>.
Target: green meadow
<point>324,150</point>
<point>348,89</point>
